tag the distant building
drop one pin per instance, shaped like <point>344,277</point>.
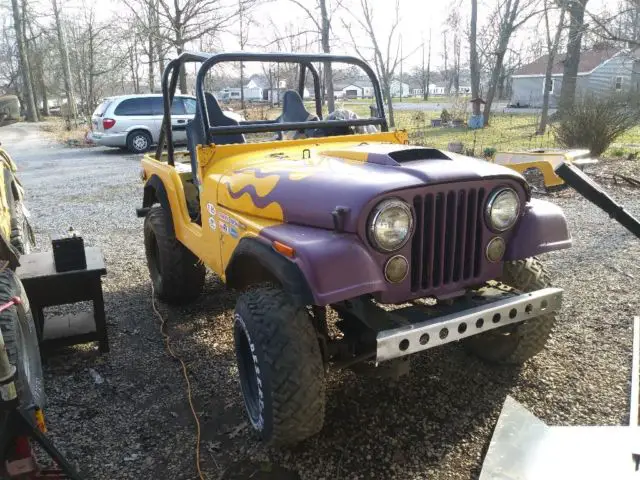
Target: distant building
<point>400,89</point>
<point>353,90</point>
<point>603,70</point>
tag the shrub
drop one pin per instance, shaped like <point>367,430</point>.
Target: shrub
<point>617,152</point>
<point>595,122</point>
<point>445,116</point>
<point>489,152</point>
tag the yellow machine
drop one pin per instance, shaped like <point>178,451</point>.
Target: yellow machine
<point>545,161</point>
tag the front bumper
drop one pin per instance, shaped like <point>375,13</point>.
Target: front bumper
<point>437,331</point>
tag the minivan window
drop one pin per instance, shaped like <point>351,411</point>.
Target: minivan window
<point>190,105</point>
<point>100,109</point>
<point>139,106</point>
<point>177,107</point>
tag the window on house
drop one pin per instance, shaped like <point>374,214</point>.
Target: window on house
<point>618,83</point>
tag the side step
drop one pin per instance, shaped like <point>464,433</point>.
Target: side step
<point>437,331</point>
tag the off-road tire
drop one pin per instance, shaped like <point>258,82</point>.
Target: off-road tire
<point>21,340</point>
<point>514,344</point>
<point>280,366</point>
<point>138,141</point>
<point>176,273</point>
<point>21,237</point>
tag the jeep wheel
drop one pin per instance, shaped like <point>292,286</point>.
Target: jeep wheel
<point>21,233</point>
<point>176,273</point>
<point>138,141</point>
<point>280,366</point>
<point>21,339</point>
<point>514,344</point>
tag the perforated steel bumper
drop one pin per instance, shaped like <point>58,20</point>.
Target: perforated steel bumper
<point>450,328</point>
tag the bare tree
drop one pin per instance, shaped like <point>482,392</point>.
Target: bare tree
<point>66,68</point>
<point>425,74</point>
<point>189,20</point>
<point>446,74</point>
<point>474,64</point>
<point>552,50</point>
<point>576,10</point>
<point>24,64</point>
<point>511,15</point>
<point>385,58</point>
<point>453,23</point>
<point>322,21</point>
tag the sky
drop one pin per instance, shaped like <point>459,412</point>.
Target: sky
<point>417,19</point>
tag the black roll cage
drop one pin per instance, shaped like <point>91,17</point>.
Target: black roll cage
<point>304,60</point>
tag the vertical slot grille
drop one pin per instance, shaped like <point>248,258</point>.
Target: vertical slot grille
<point>447,244</point>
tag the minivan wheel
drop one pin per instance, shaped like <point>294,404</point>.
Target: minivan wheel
<point>138,141</point>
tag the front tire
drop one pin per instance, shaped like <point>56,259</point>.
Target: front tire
<point>21,340</point>
<point>514,344</point>
<point>280,366</point>
<point>138,141</point>
<point>176,273</point>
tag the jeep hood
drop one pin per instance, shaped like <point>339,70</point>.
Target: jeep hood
<point>305,191</point>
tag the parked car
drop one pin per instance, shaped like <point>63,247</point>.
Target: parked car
<point>134,121</point>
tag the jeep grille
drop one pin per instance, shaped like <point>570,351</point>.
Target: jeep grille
<point>447,244</point>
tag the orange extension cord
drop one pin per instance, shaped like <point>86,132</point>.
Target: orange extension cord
<point>185,374</point>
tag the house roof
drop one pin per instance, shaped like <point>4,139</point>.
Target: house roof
<point>589,60</point>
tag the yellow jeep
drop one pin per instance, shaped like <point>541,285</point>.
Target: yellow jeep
<point>322,224</point>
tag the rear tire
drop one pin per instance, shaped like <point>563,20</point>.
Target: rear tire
<point>280,366</point>
<point>21,340</point>
<point>176,273</point>
<point>138,141</point>
<point>514,344</point>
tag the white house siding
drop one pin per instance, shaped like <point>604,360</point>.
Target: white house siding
<point>603,79</point>
<point>529,90</point>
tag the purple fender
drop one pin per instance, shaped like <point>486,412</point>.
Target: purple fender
<point>542,228</point>
<point>337,266</point>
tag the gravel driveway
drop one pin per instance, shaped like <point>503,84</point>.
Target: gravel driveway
<point>433,424</point>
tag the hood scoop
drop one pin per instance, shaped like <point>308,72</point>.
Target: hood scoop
<point>393,155</point>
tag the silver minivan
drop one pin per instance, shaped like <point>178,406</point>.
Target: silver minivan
<point>133,121</point>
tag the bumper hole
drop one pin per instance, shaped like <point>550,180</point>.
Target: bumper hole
<point>404,344</point>
<point>444,333</point>
<point>543,305</point>
<point>424,339</point>
<point>513,313</point>
<point>480,323</point>
<point>462,328</point>
<point>496,318</point>
<point>528,308</point>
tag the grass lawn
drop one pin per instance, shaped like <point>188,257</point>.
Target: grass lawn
<point>505,131</point>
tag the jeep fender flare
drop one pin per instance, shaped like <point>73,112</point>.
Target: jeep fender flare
<point>254,262</point>
<point>156,192</point>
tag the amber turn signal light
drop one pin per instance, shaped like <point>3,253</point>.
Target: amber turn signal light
<point>285,250</point>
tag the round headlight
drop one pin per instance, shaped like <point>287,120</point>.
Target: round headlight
<point>390,225</point>
<point>503,209</point>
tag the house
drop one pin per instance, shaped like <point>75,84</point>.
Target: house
<point>353,90</point>
<point>603,70</point>
<point>400,89</point>
<point>436,89</point>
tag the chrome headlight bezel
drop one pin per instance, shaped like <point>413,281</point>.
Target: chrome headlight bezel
<point>374,216</point>
<point>490,204</point>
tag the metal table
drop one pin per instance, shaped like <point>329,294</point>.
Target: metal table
<point>45,287</point>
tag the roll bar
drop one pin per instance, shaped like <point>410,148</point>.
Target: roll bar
<point>304,60</point>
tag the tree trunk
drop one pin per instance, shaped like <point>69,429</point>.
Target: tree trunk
<point>387,94</point>
<point>30,54</point>
<point>495,77</point>
<point>572,61</point>
<point>30,106</point>
<point>474,64</point>
<point>66,67</point>
<point>446,61</point>
<point>426,90</point>
<point>152,74</point>
<point>158,39</point>
<point>552,51</point>
<point>326,48</point>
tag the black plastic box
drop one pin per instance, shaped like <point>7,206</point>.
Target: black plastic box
<point>68,253</point>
